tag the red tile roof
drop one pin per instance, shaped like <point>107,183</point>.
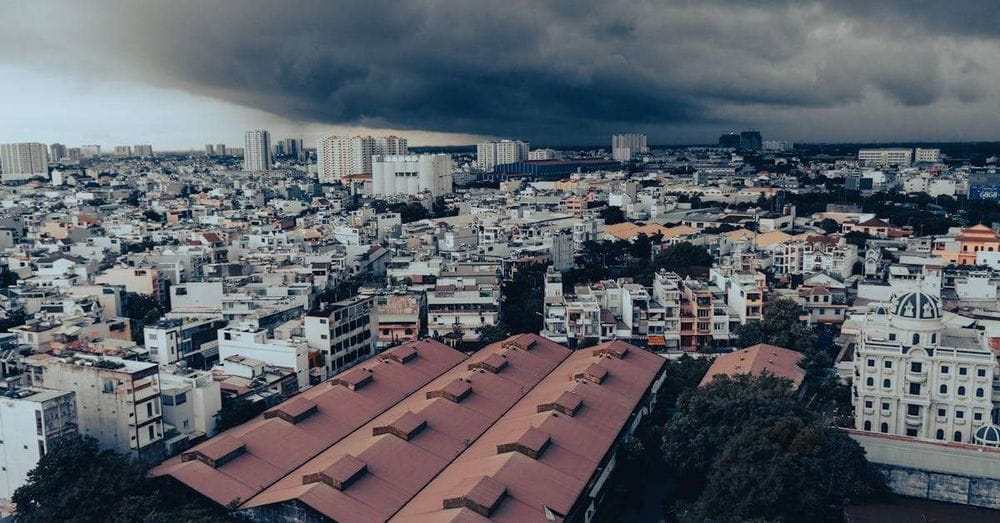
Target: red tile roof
<point>571,448</point>
<point>408,445</point>
<point>756,360</point>
<point>288,436</point>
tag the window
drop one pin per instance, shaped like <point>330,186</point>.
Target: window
<point>958,436</point>
<point>940,434</point>
<point>888,364</point>
<point>152,432</point>
<point>892,336</point>
<point>884,428</point>
<point>916,339</point>
<point>959,414</point>
<point>911,432</point>
<point>934,337</point>
<point>942,413</point>
<point>980,392</point>
<point>943,389</point>
<point>981,373</point>
<point>868,425</point>
<point>916,366</point>
<point>961,391</point>
<point>887,384</point>
<point>913,410</point>
<point>871,362</point>
<point>978,416</point>
<point>963,371</point>
<point>944,369</point>
<point>914,388</point>
<point>149,409</point>
<point>868,404</point>
<point>870,382</point>
<point>885,405</point>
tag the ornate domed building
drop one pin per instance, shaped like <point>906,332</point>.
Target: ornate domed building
<point>916,375</point>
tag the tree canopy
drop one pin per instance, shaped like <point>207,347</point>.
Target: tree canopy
<point>745,449</point>
<point>76,481</point>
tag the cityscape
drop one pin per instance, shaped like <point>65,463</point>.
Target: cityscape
<point>330,284</point>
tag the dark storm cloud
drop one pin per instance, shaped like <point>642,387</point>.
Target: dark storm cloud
<point>553,71</point>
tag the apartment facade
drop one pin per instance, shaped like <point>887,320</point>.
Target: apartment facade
<point>344,332</point>
<point>119,400</point>
<point>31,421</point>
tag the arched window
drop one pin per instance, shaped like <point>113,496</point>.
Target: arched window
<point>884,428</point>
<point>868,425</point>
<point>979,393</point>
<point>944,389</point>
<point>961,391</point>
<point>870,382</point>
<point>916,339</point>
<point>958,436</point>
<point>886,383</point>
<point>934,337</point>
<point>940,434</point>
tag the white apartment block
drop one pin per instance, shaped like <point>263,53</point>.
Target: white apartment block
<point>885,157</point>
<point>191,399</point>
<point>257,151</point>
<point>921,155</point>
<point>542,154</point>
<point>463,307</point>
<point>122,150</point>
<point>339,156</point>
<point>292,354</point>
<point>118,401</point>
<point>625,146</point>
<point>491,154</point>
<point>21,161</point>
<point>411,175</point>
<point>189,340</point>
<point>31,421</point>
<point>144,151</point>
<point>344,332</point>
<point>915,376</point>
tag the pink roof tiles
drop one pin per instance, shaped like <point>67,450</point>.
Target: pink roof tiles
<point>408,445</point>
<point>543,460</point>
<point>756,360</point>
<point>291,433</point>
<point>517,443</point>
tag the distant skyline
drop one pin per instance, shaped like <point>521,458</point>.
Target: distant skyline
<point>184,73</point>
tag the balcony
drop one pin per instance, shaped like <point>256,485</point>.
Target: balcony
<point>916,377</point>
<point>914,420</point>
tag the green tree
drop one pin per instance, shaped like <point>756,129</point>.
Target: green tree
<point>857,238</point>
<point>683,255</point>
<point>612,215</point>
<point>781,326</point>
<point>76,481</point>
<point>523,299</point>
<point>829,226</point>
<point>143,310</point>
<point>491,334</point>
<point>746,449</point>
<point>238,411</point>
<point>682,374</point>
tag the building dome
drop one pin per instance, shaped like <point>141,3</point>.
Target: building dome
<point>918,306</point>
<point>880,310</point>
<point>988,435</point>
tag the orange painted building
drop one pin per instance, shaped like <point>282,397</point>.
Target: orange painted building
<point>971,241</point>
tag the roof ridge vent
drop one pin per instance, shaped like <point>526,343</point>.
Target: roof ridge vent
<point>531,443</point>
<point>593,373</point>
<point>293,410</point>
<point>401,354</point>
<point>480,495</point>
<point>340,474</point>
<point>404,427</point>
<point>455,391</point>
<point>217,451</point>
<point>353,379</point>
<point>493,363</point>
<point>615,349</point>
<point>567,403</point>
<point>521,342</point>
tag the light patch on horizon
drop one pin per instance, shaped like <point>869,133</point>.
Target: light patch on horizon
<point>71,109</point>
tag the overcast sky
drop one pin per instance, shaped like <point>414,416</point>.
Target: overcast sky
<point>182,73</point>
